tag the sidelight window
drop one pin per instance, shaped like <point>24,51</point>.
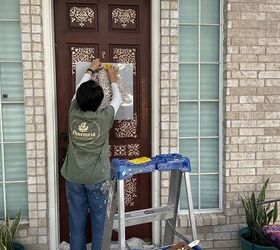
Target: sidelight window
<point>13,176</point>
<point>200,99</point>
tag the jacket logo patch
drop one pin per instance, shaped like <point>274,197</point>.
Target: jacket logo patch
<point>83,127</point>
<point>84,133</point>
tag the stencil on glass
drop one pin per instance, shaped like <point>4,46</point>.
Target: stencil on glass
<point>125,84</point>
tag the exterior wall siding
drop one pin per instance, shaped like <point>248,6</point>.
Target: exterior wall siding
<point>251,111</point>
<point>251,115</point>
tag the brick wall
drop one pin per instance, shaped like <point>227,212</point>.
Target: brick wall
<point>169,85</point>
<point>34,233</point>
<point>251,96</point>
<point>251,111</point>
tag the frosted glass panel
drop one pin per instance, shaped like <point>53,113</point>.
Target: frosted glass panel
<point>210,11</point>
<point>188,11</point>
<point>209,82</point>
<point>10,41</point>
<point>188,80</point>
<point>9,9</point>
<point>1,202</point>
<point>188,44</point>
<point>13,122</point>
<point>209,44</point>
<point>183,195</point>
<point>15,162</point>
<point>209,155</point>
<point>209,117</point>
<point>11,81</point>
<point>188,119</point>
<point>16,199</point>
<point>189,148</point>
<point>209,191</point>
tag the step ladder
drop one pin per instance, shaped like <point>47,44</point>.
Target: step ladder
<point>124,169</point>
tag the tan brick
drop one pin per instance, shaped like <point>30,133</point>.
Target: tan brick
<point>273,66</point>
<point>252,66</point>
<point>268,123</point>
<point>243,171</point>
<point>265,24</point>
<point>251,99</point>
<point>267,107</point>
<point>250,179</point>
<point>252,49</point>
<point>272,115</point>
<point>269,7</point>
<point>243,91</point>
<point>267,155</point>
<point>243,140</point>
<point>242,156</point>
<point>244,41</point>
<point>244,123</point>
<point>251,115</point>
<point>269,41</point>
<point>250,148</point>
<point>243,107</point>
<point>271,131</point>
<point>251,131</point>
<point>268,90</point>
<point>250,164</point>
<point>253,16</point>
<point>242,187</point>
<point>269,74</point>
<point>244,7</point>
<point>271,82</point>
<point>272,16</point>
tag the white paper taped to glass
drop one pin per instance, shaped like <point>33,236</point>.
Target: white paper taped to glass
<point>125,75</point>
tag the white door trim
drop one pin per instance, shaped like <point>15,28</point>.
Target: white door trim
<point>155,88</point>
<point>51,111</point>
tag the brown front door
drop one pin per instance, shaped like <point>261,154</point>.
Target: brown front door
<point>115,31</point>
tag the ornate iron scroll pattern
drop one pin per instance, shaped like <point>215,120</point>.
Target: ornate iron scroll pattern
<point>81,55</point>
<point>126,129</point>
<point>124,16</point>
<point>125,150</point>
<point>125,55</point>
<point>130,192</point>
<point>81,15</point>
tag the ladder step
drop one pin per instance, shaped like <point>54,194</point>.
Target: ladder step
<point>146,215</point>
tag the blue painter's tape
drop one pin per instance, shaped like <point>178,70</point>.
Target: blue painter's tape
<point>164,162</point>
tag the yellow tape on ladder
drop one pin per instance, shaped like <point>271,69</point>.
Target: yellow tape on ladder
<point>140,160</point>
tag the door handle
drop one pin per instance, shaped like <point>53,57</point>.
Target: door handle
<point>103,55</point>
<point>63,137</point>
<point>63,152</point>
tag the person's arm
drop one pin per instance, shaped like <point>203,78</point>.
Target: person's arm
<point>116,97</point>
<point>116,94</point>
<point>95,64</point>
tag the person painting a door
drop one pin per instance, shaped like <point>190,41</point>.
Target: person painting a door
<point>87,166</point>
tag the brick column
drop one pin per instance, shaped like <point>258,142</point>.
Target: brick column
<point>34,233</point>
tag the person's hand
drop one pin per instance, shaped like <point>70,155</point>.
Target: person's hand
<point>113,74</point>
<point>95,64</point>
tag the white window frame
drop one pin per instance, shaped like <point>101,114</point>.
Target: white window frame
<point>3,182</point>
<point>221,105</point>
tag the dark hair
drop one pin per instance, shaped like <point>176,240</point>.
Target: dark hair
<point>89,96</point>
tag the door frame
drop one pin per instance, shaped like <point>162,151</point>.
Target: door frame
<point>51,120</point>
